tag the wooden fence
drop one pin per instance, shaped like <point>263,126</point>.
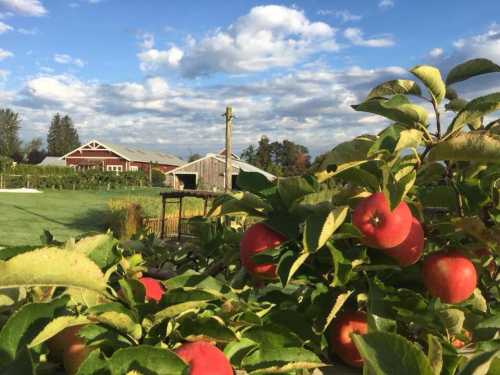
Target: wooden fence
<point>153,225</point>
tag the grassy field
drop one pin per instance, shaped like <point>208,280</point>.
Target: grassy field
<point>23,217</point>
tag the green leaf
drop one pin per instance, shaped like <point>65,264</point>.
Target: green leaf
<point>479,146</point>
<point>409,138</point>
<point>272,336</point>
<point>57,325</point>
<point>474,110</point>
<point>395,87</point>
<point>239,203</point>
<point>255,183</point>
<point>480,363</point>
<point>235,351</point>
<point>452,320</point>
<point>280,360</point>
<point>289,264</point>
<point>147,360</point>
<point>451,93</point>
<point>431,77</point>
<point>51,267</point>
<point>321,225</point>
<point>389,353</point>
<point>322,323</point>
<point>456,105</point>
<point>344,156</point>
<point>122,322</point>
<point>174,310</point>
<point>435,353</point>
<point>193,328</point>
<point>94,364</point>
<point>24,325</point>
<point>398,109</point>
<point>470,69</point>
<point>492,322</point>
<point>293,188</point>
<point>99,248</point>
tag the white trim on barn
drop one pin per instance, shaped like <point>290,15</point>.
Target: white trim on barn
<point>94,146</point>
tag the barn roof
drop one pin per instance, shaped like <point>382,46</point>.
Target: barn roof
<point>244,166</point>
<point>135,154</point>
<point>53,161</point>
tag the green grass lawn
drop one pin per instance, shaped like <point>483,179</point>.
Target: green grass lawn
<point>23,217</point>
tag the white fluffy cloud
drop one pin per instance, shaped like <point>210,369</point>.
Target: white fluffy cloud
<point>310,106</point>
<point>153,59</point>
<point>355,36</point>
<point>24,7</point>
<point>268,36</point>
<point>484,45</point>
<point>62,58</point>
<point>385,4</point>
<point>5,54</point>
<point>4,27</point>
<point>344,15</point>
<point>436,52</point>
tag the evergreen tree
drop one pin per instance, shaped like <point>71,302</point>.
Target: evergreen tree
<point>62,136</point>
<point>70,139</point>
<point>54,136</point>
<point>10,145</point>
<point>34,152</point>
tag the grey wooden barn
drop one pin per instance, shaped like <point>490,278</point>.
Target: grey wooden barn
<point>208,173</point>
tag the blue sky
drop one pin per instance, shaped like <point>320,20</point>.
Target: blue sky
<point>159,73</point>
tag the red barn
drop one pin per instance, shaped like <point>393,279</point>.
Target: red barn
<point>116,158</point>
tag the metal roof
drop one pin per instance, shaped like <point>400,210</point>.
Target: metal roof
<point>244,166</point>
<point>135,154</point>
<point>53,161</point>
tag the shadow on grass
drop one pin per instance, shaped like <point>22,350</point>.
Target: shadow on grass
<point>44,217</point>
<point>90,220</point>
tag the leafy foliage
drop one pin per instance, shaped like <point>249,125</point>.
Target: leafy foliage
<point>325,267</point>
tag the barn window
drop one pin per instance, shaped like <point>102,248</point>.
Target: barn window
<point>114,168</point>
<point>133,168</point>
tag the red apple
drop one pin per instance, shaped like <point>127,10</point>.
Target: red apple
<point>450,276</point>
<point>409,251</point>
<point>340,336</point>
<point>204,358</point>
<point>154,289</point>
<point>381,227</point>
<point>256,239</point>
<point>68,348</point>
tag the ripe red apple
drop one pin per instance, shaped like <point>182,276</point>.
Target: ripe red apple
<point>154,289</point>
<point>409,251</point>
<point>380,227</point>
<point>256,239</point>
<point>450,276</point>
<point>204,358</point>
<point>340,336</point>
<point>68,348</point>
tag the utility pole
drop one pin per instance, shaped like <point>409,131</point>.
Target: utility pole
<point>229,129</point>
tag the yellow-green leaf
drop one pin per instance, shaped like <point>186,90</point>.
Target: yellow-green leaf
<point>395,87</point>
<point>51,267</point>
<point>431,77</point>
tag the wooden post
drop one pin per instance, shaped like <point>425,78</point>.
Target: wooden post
<point>180,220</point>
<point>229,130</point>
<point>205,206</point>
<point>162,218</point>
<point>150,173</point>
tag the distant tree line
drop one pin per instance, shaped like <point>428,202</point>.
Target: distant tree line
<point>279,158</point>
<point>62,137</point>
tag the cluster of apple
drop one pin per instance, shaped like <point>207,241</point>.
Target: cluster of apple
<point>203,358</point>
<point>447,274</point>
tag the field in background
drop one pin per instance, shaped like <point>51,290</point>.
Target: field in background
<point>23,217</point>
